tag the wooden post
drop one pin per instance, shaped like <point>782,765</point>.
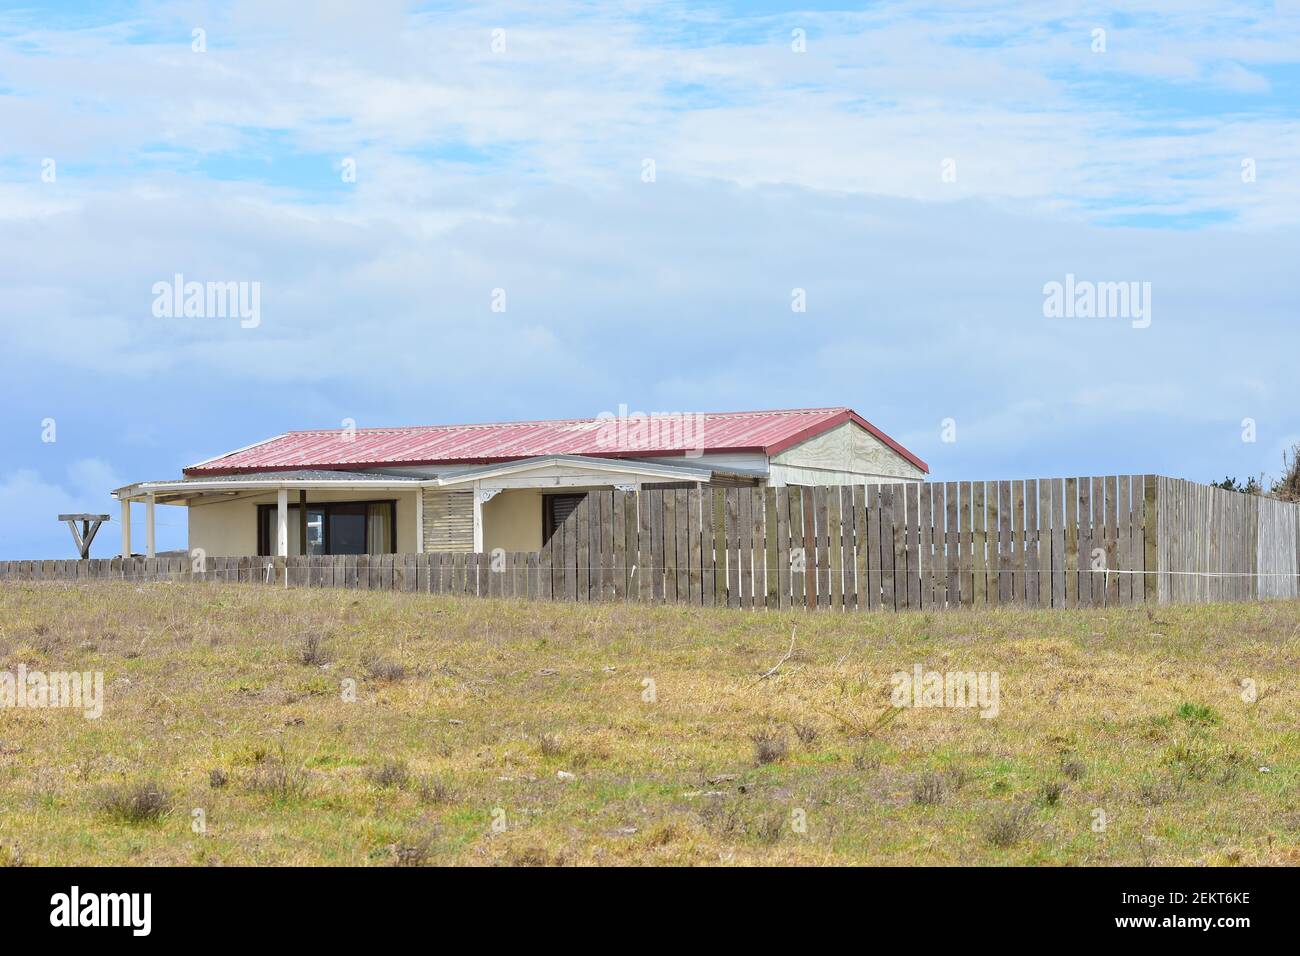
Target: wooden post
<point>419,521</point>
<point>478,519</point>
<point>126,528</point>
<point>149,549</point>
<point>89,528</point>
<point>282,523</point>
<point>302,522</point>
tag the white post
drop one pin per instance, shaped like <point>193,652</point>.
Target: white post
<point>282,523</point>
<point>478,519</point>
<point>419,521</point>
<point>126,527</point>
<point>149,550</point>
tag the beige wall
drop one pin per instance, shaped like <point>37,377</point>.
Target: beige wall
<point>229,528</point>
<point>512,521</point>
<point>847,454</point>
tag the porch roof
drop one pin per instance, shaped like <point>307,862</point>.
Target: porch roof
<point>542,471</point>
<point>183,489</point>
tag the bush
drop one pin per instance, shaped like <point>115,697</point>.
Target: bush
<point>389,775</point>
<point>769,747</point>
<point>144,802</point>
<point>279,781</point>
<point>432,791</point>
<point>313,651</point>
<point>411,854</point>
<point>1072,767</point>
<point>927,790</point>
<point>1007,827</point>
<point>383,669</point>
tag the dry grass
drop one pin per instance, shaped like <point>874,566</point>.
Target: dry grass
<point>496,732</point>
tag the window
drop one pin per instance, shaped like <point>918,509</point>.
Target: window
<point>336,527</point>
<point>555,508</point>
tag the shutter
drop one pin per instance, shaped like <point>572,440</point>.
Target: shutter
<point>448,520</point>
<point>558,508</point>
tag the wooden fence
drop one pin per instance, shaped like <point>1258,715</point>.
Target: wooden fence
<point>1064,542</point>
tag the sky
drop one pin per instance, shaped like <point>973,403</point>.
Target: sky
<point>499,211</point>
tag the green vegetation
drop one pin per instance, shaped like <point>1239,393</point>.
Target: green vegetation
<point>346,727</point>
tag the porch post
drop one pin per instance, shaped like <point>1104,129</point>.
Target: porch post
<point>419,521</point>
<point>302,520</point>
<point>126,527</point>
<point>478,519</point>
<point>282,522</point>
<point>149,550</point>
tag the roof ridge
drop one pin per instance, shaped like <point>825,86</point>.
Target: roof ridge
<point>828,409</point>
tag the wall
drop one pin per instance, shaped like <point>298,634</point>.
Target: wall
<point>229,528</point>
<point>512,521</point>
<point>844,455</point>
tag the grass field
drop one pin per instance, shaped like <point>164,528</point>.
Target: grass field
<point>487,732</point>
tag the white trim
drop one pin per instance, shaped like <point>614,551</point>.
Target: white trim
<point>138,490</point>
<point>126,528</point>
<point>282,523</point>
<point>478,519</point>
<point>593,466</point>
<point>567,481</point>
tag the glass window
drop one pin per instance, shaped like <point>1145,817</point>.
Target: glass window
<point>347,524</point>
<point>343,527</point>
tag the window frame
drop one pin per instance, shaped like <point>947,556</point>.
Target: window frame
<point>264,530</point>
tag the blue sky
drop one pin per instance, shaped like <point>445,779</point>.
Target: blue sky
<point>521,168</point>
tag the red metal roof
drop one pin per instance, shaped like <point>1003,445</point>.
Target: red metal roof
<point>768,432</point>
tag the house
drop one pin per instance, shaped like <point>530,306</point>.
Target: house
<point>482,487</point>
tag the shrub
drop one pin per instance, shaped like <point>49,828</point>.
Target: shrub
<point>389,775</point>
<point>806,733</point>
<point>217,778</point>
<point>1072,767</point>
<point>313,651</point>
<point>383,669</point>
<point>411,854</point>
<point>431,790</point>
<point>278,780</point>
<point>769,747</point>
<point>145,802</point>
<point>927,790</point>
<point>1007,827</point>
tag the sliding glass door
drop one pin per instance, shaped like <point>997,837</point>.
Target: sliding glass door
<point>336,527</point>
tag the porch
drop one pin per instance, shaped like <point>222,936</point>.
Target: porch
<point>511,506</point>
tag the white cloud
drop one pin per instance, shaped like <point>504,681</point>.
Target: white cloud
<point>31,505</point>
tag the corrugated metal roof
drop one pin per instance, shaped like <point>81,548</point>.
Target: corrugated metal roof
<point>769,433</point>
